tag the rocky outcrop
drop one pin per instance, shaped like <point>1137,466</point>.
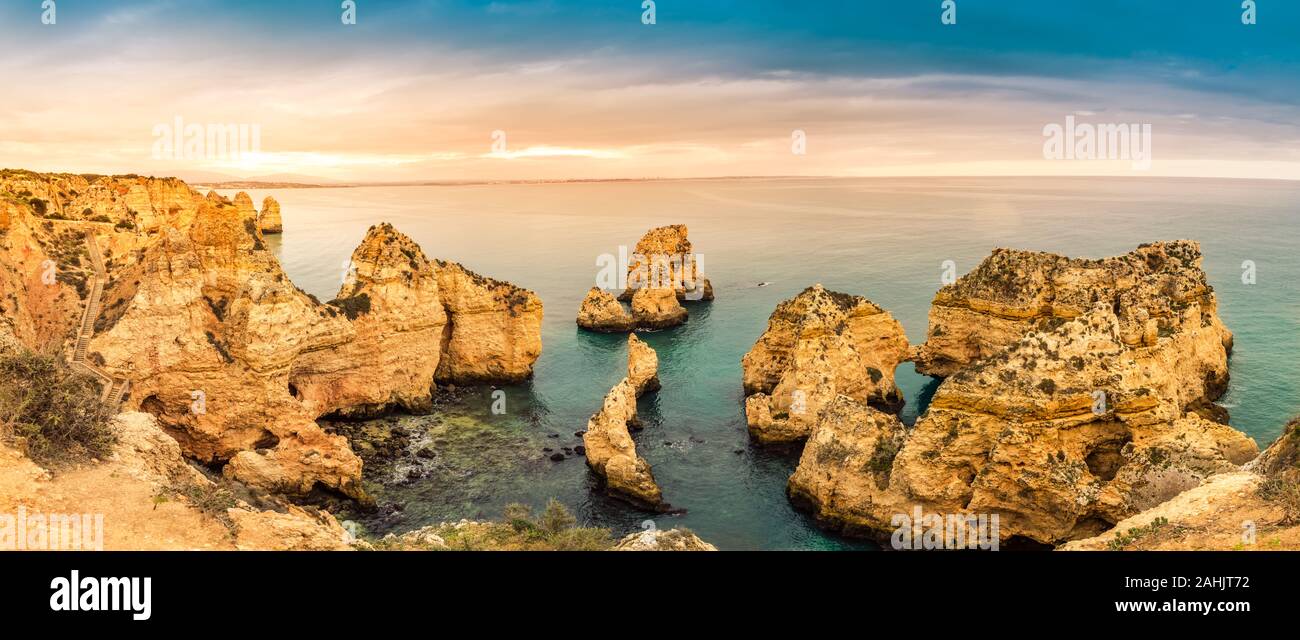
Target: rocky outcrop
<point>818,345</point>
<point>494,331</point>
<point>1012,293</point>
<point>269,218</point>
<point>610,451</point>
<point>642,366</point>
<point>845,467</point>
<point>151,498</point>
<point>214,315</point>
<point>1062,434</point>
<point>1256,508</point>
<point>664,258</point>
<point>601,311</point>
<point>662,272</point>
<point>236,362</point>
<point>294,529</point>
<point>390,298</point>
<point>654,308</point>
<point>658,540</point>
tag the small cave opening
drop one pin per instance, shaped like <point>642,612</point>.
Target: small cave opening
<point>293,391</point>
<point>1104,458</point>
<point>153,406</point>
<point>268,440</point>
<point>1089,526</point>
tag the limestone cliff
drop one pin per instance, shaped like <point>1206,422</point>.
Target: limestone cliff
<point>818,345</point>
<point>494,330</point>
<point>387,353</point>
<point>610,451</point>
<point>208,340</point>
<point>1012,293</point>
<point>212,338</point>
<point>1063,434</point>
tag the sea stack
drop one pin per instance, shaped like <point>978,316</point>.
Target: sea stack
<point>269,218</point>
<point>610,451</point>
<point>818,345</point>
<point>602,312</point>
<point>662,273</point>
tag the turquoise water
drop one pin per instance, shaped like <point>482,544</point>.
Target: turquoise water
<point>882,238</point>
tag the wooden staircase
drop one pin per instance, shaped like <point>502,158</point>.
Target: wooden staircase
<point>114,390</point>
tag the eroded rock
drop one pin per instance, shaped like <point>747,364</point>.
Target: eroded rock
<point>608,444</point>
<point>602,312</point>
<point>818,345</point>
<point>659,540</point>
<point>1063,434</point>
<point>657,308</point>
<point>269,219</point>
<point>1012,293</point>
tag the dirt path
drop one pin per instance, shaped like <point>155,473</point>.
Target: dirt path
<point>132,517</point>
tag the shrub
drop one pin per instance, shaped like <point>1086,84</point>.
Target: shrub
<point>354,306</point>
<point>209,498</point>
<point>52,410</point>
<point>556,519</point>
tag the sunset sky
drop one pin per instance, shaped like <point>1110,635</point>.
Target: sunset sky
<point>415,90</point>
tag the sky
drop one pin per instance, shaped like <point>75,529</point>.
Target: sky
<point>553,89</point>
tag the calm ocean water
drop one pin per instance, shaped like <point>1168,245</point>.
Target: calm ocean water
<point>885,239</point>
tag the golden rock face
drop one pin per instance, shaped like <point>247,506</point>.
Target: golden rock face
<point>1014,292</point>
<point>610,451</point>
<point>601,311</point>
<point>818,345</point>
<point>1063,431</point>
<point>232,358</point>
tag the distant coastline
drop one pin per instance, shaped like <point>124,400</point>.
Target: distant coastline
<point>257,184</point>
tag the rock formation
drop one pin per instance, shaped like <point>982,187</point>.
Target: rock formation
<point>658,540</point>
<point>642,366</point>
<point>236,362</point>
<point>1012,293</point>
<point>387,353</point>
<point>494,329</point>
<point>610,451</point>
<point>1062,434</point>
<point>663,271</point>
<point>269,219</point>
<point>664,258</point>
<point>654,308</point>
<point>602,312</point>
<point>818,345</point>
<point>1255,508</point>
<point>147,494</point>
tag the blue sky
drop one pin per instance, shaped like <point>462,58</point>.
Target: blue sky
<point>416,87</point>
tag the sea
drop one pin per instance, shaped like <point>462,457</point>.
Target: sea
<point>760,241</point>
